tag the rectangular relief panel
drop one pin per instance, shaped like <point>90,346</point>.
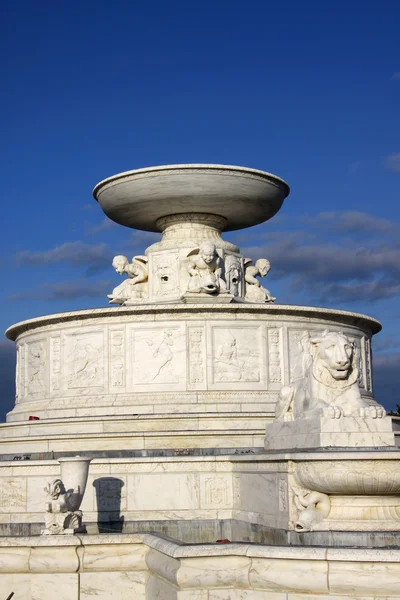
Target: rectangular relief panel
<point>157,358</point>
<point>84,364</point>
<point>55,364</point>
<point>117,366</point>
<point>20,371</point>
<point>12,494</point>
<point>236,357</point>
<point>164,275</point>
<point>368,369</point>
<point>298,352</point>
<point>35,367</point>
<point>197,359</point>
<point>359,354</point>
<point>275,358</point>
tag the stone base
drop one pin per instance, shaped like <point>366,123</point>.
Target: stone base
<point>324,432</point>
<point>192,297</point>
<point>362,513</point>
<point>74,531</point>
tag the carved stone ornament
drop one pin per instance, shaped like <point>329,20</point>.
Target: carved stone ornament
<point>313,508</point>
<point>62,514</point>
<point>205,268</point>
<point>254,290</point>
<point>135,287</point>
<point>59,519</point>
<point>329,386</point>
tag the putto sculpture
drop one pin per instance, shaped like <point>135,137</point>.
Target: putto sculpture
<point>254,290</point>
<point>205,268</point>
<point>329,386</point>
<point>135,287</point>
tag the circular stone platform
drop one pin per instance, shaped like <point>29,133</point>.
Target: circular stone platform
<point>141,359</point>
<point>242,196</point>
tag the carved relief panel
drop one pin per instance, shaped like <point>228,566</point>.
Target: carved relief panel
<point>20,375</point>
<point>36,357</point>
<point>55,363</point>
<point>275,357</point>
<point>299,353</point>
<point>164,275</point>
<point>368,369</point>
<point>157,357</point>
<point>84,360</point>
<point>12,494</point>
<point>117,367</point>
<point>237,357</point>
<point>196,343</point>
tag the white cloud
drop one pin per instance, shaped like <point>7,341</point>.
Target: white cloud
<point>65,290</point>
<point>95,257</point>
<point>105,225</point>
<point>392,163</point>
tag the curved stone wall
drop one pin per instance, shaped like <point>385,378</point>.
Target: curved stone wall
<point>148,359</point>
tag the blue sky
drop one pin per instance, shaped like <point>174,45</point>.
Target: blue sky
<point>307,90</point>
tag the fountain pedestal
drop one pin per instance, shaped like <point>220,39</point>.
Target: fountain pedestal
<point>169,394</point>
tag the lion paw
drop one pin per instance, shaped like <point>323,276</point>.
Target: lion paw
<point>332,412</point>
<point>373,412</point>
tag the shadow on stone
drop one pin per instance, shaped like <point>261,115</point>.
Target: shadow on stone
<point>108,498</point>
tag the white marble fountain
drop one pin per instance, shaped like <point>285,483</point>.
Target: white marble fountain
<point>207,411</point>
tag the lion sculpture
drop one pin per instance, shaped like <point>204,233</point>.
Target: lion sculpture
<point>329,386</point>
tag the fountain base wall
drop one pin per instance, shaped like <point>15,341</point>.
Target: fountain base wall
<point>171,358</point>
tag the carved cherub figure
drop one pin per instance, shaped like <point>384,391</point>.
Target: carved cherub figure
<point>254,290</point>
<point>205,268</point>
<point>137,272</point>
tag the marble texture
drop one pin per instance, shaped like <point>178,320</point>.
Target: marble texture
<point>140,198</point>
<point>324,432</point>
<point>329,384</point>
<point>143,360</point>
<point>165,569</point>
<point>64,496</point>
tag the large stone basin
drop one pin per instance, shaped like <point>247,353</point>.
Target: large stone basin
<point>356,477</point>
<point>242,196</point>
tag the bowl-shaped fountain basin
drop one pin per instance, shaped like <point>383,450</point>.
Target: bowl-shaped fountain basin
<point>365,477</point>
<point>244,197</point>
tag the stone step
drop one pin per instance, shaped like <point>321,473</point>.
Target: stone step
<point>135,423</point>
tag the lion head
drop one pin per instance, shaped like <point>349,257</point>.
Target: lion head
<point>334,359</point>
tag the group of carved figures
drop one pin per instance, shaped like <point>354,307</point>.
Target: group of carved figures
<point>328,387</point>
<point>208,274</point>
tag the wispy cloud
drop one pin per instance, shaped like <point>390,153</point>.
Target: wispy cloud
<point>335,267</point>
<point>65,290</point>
<point>392,163</point>
<point>395,75</point>
<point>353,221</point>
<point>95,257</point>
<point>105,225</point>
<point>386,377</point>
